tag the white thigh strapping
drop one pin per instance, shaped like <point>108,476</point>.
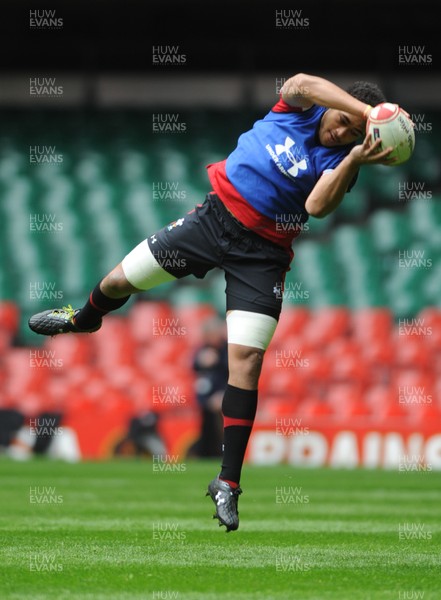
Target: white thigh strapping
<point>250,329</point>
<point>142,269</point>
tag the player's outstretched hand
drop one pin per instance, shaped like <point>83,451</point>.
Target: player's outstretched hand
<point>369,153</point>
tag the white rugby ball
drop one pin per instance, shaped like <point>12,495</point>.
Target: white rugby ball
<point>390,123</point>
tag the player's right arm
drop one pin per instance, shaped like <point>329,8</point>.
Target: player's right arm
<point>304,91</point>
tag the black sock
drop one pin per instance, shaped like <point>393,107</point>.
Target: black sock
<point>96,307</point>
<point>239,409</point>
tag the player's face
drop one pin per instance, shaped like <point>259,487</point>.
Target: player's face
<point>338,128</point>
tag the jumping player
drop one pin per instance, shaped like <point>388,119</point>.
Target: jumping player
<point>299,160</point>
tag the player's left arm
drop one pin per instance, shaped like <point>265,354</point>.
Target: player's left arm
<point>331,188</point>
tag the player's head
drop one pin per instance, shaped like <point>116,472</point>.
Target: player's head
<point>339,128</point>
<point>366,92</point>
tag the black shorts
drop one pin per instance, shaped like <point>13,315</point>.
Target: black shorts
<point>208,237</point>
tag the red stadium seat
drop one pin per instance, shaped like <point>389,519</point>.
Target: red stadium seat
<point>412,352</point>
<point>292,322</point>
<point>424,412</point>
<point>414,379</point>
<point>347,400</point>
<point>191,317</point>
<point>164,353</point>
<point>275,407</point>
<point>372,323</point>
<point>313,407</point>
<point>378,352</point>
<point>290,341</point>
<point>353,408</point>
<point>437,391</point>
<point>430,318</point>
<point>73,350</point>
<point>341,393</point>
<point>27,370</point>
<point>5,341</point>
<point>145,316</point>
<point>347,361</point>
<point>33,403</point>
<point>383,402</point>
<point>9,317</point>
<point>287,382</point>
<point>416,392</point>
<point>318,367</point>
<point>392,410</point>
<point>350,367</point>
<point>377,395</point>
<point>327,324</point>
<point>114,343</point>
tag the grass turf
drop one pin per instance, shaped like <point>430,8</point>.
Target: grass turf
<point>121,530</point>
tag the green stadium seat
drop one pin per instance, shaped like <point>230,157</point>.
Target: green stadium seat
<point>355,204</point>
<point>316,227</point>
<point>314,269</point>
<point>390,231</point>
<point>382,183</point>
<point>425,220</point>
<point>431,286</point>
<point>424,165</point>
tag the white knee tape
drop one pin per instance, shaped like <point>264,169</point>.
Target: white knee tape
<point>250,329</point>
<point>142,269</point>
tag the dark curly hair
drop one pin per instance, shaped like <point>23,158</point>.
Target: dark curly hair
<point>366,92</point>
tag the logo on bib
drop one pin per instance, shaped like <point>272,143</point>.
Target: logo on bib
<point>289,159</point>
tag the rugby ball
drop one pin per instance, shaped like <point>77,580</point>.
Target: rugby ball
<point>391,123</point>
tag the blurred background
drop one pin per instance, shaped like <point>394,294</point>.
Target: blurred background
<point>109,113</point>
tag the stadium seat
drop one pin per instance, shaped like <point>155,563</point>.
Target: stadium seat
<point>390,231</point>
<point>411,352</point>
<point>431,285</point>
<point>423,413</point>
<point>316,270</point>
<point>28,370</point>
<point>275,407</point>
<point>425,220</point>
<point>344,392</point>
<point>326,324</point>
<point>350,367</point>
<point>142,317</point>
<point>114,344</point>
<point>372,323</point>
<point>387,411</point>
<point>383,402</point>
<point>32,404</point>
<point>318,368</point>
<point>431,315</point>
<point>415,385</point>
<point>5,342</point>
<point>192,317</point>
<point>283,382</point>
<point>378,353</point>
<point>349,409</point>
<point>74,350</point>
<point>9,317</point>
<point>314,408</point>
<point>292,321</point>
<point>381,184</point>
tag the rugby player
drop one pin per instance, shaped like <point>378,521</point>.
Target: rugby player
<point>298,161</point>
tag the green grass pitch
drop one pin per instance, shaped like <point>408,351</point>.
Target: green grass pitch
<point>122,530</point>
